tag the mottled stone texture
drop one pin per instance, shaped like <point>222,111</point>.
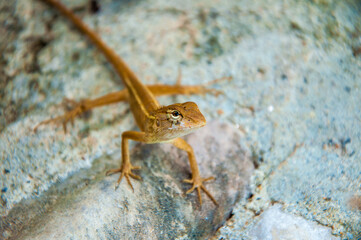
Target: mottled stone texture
<point>295,101</point>
<point>276,224</point>
<point>158,208</point>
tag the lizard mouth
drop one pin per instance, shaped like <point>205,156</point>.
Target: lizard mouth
<point>185,130</point>
<point>184,127</point>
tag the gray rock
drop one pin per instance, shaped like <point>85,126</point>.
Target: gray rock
<point>157,209</point>
<point>296,81</point>
<point>276,224</point>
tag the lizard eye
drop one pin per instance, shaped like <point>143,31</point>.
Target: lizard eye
<point>174,116</point>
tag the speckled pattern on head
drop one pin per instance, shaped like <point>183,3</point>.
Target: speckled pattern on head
<point>174,121</point>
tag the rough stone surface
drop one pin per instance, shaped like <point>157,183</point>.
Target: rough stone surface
<point>295,99</point>
<point>157,209</point>
<point>276,224</point>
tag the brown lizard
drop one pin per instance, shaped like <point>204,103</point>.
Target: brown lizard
<point>156,123</point>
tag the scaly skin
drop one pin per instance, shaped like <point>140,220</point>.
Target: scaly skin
<point>156,123</point>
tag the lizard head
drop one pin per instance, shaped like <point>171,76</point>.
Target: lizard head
<point>175,120</point>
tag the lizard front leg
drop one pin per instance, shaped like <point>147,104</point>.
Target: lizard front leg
<point>126,167</point>
<point>196,179</point>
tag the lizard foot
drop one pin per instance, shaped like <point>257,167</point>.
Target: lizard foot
<point>198,184</point>
<point>74,109</point>
<point>125,170</point>
<point>204,88</point>
<point>215,92</point>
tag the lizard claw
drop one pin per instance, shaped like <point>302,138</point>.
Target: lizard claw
<point>125,171</point>
<point>229,78</point>
<point>215,92</point>
<point>198,184</point>
<point>212,91</point>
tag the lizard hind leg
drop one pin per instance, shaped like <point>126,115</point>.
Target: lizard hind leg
<point>203,88</point>
<point>76,109</point>
<point>179,89</point>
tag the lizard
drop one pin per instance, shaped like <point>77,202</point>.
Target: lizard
<point>157,123</point>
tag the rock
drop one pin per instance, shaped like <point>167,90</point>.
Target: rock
<point>295,69</point>
<point>158,207</point>
<point>276,224</point>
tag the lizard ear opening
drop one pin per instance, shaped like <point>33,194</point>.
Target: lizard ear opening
<point>158,123</point>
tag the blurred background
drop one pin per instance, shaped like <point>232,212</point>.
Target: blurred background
<point>294,101</point>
